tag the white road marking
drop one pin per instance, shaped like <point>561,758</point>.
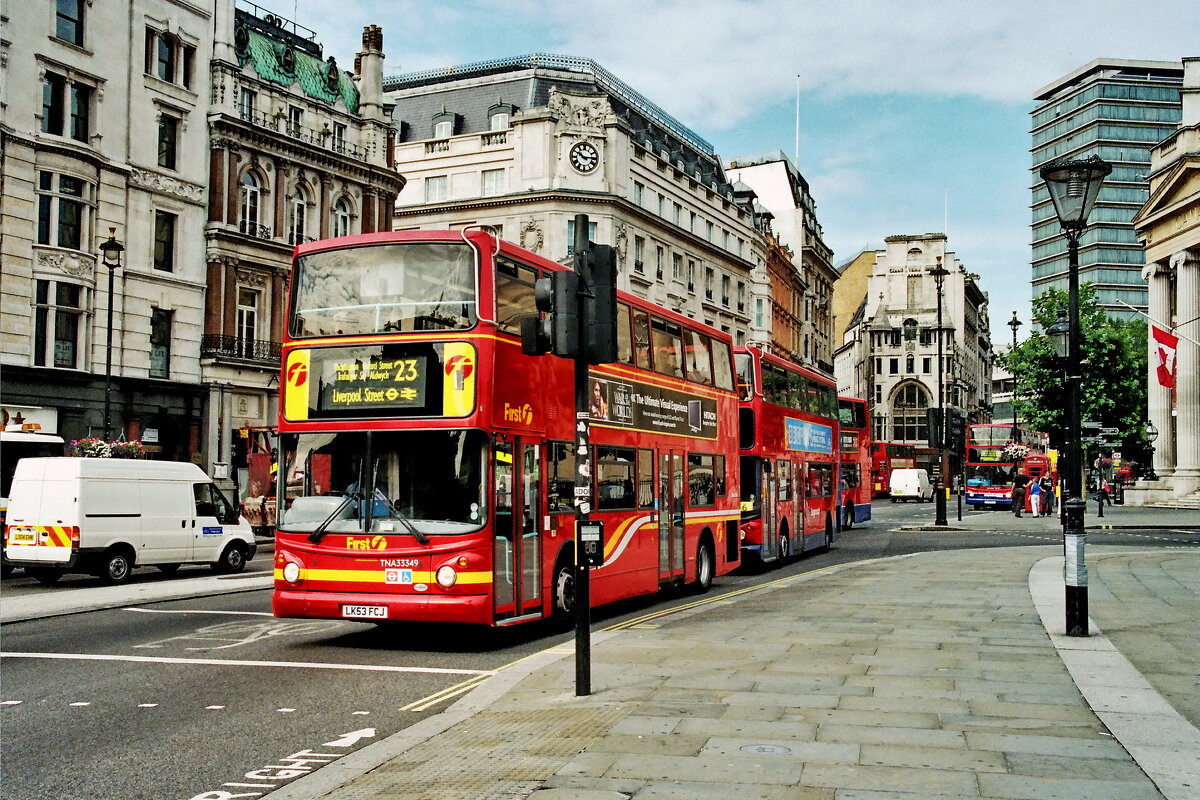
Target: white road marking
<point>285,710</point>
<point>213,708</point>
<point>355,713</point>
<point>79,705</point>
<point>189,611</point>
<point>147,705</point>
<point>18,702</point>
<point>351,738</point>
<point>219,662</point>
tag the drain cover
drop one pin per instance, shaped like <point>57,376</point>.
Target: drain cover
<point>766,749</point>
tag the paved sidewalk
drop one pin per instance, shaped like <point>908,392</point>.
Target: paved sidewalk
<point>1115,518</point>
<point>938,676</point>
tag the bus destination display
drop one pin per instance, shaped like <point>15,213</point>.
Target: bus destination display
<point>374,383</point>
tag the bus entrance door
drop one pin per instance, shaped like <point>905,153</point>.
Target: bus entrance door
<point>670,517</point>
<point>769,504</point>
<point>517,538</point>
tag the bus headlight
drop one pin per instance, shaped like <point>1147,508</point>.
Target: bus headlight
<point>446,576</point>
<point>291,572</point>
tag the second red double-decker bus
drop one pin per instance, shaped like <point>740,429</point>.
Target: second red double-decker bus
<point>788,435</point>
<point>885,457</point>
<point>854,481</point>
<point>990,466</point>
<point>428,464</point>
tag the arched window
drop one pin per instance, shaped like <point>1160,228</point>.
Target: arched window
<point>248,195</point>
<point>909,404</point>
<point>910,365</point>
<point>341,218</point>
<point>297,215</point>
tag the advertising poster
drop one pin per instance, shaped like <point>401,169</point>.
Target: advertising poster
<point>643,407</point>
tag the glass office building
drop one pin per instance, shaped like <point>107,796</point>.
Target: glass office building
<point>1117,109</point>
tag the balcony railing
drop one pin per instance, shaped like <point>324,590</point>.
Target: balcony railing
<point>440,146</point>
<point>214,346</point>
<point>492,139</point>
<point>254,229</point>
<point>294,238</point>
<point>324,138</point>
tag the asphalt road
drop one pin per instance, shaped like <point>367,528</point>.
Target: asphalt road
<point>186,698</point>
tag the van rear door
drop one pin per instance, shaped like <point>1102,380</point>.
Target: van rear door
<point>42,517</point>
<point>167,517</point>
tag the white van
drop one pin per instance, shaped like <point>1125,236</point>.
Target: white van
<point>910,484</point>
<point>108,515</point>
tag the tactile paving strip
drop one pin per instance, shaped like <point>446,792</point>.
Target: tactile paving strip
<point>492,756</point>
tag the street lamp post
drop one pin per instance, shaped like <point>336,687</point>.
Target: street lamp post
<point>1151,436</point>
<point>111,250</point>
<point>1014,323</point>
<point>939,274</point>
<point>1074,186</point>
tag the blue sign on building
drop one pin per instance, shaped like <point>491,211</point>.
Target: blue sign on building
<point>808,436</point>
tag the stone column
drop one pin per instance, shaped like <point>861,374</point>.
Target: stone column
<point>1187,376</point>
<point>1158,398</point>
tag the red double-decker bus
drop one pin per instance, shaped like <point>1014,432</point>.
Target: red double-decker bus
<point>854,444</point>
<point>885,457</point>
<point>990,465</point>
<point>428,465</point>
<point>788,435</point>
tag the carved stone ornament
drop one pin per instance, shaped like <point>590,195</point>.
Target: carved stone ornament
<point>76,265</point>
<point>166,185</point>
<point>622,241</point>
<point>255,280</point>
<point>576,112</point>
<point>531,236</point>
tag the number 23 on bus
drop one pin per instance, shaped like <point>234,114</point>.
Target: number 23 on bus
<point>429,465</point>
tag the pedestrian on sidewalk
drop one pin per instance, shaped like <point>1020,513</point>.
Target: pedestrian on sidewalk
<point>1047,496</point>
<point>1020,480</point>
<point>1035,498</point>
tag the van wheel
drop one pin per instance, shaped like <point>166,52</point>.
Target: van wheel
<point>44,576</point>
<point>117,566</point>
<point>232,561</point>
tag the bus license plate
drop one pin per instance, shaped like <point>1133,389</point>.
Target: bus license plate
<point>365,612</point>
<point>989,502</point>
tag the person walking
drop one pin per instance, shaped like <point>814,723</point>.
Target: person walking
<point>1020,480</point>
<point>1047,496</point>
<point>1035,498</point>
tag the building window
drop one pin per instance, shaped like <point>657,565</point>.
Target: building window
<point>638,192</point>
<point>926,364</point>
<point>709,283</point>
<point>500,121</point>
<point>246,101</point>
<point>725,290</point>
<point>691,276</point>
<point>339,138</point>
<point>160,343</point>
<point>164,241</point>
<point>639,252</point>
<point>66,107</point>
<point>741,296</point>
<point>660,255</point>
<point>164,58</point>
<point>571,235</point>
<point>676,267</point>
<point>341,218</point>
<point>298,216</point>
<point>708,231</point>
<point>893,366</point>
<point>295,119</point>
<point>443,129</point>
<point>676,213</point>
<point>68,21</point>
<point>661,203</point>
<point>878,393</point>
<point>168,138</point>
<point>909,364</point>
<point>437,189</point>
<point>249,193</point>
<point>493,182</point>
<point>760,320</point>
<point>908,414</point>
<point>57,324</point>
<point>63,203</point>
<point>247,322</point>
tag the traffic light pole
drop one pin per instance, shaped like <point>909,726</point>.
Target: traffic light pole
<point>583,476</point>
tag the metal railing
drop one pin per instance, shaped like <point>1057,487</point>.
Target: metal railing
<point>323,138</point>
<point>216,346</point>
<point>254,229</point>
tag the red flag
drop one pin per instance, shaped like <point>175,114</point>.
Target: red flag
<point>1164,347</point>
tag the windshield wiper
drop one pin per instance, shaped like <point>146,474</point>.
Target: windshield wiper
<point>406,522</point>
<point>319,532</point>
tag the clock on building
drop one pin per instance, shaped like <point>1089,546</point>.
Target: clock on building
<point>584,157</point>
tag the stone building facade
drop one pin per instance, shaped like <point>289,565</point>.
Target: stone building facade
<point>889,353</point>
<point>1169,227</point>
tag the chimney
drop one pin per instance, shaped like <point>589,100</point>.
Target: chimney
<point>369,67</point>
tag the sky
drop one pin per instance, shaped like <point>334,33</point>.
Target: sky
<point>913,116</point>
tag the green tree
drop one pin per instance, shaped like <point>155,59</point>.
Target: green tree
<point>1114,372</point>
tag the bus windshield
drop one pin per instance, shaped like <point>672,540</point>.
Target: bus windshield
<point>990,475</point>
<point>384,288</point>
<point>432,480</point>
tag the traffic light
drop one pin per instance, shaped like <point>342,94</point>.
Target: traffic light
<point>601,304</point>
<point>933,420</point>
<point>557,296</point>
<point>958,431</point>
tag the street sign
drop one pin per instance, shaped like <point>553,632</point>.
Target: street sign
<point>1089,425</point>
<point>1110,431</point>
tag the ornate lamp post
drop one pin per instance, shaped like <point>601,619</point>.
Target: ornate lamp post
<point>1151,435</point>
<point>939,274</point>
<point>1014,323</point>
<point>111,250</point>
<point>1074,187</point>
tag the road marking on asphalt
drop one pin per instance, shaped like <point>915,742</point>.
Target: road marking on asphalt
<point>285,710</point>
<point>147,705</point>
<point>453,691</point>
<point>12,702</point>
<point>199,611</point>
<point>219,662</point>
<point>213,708</point>
<point>79,705</point>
